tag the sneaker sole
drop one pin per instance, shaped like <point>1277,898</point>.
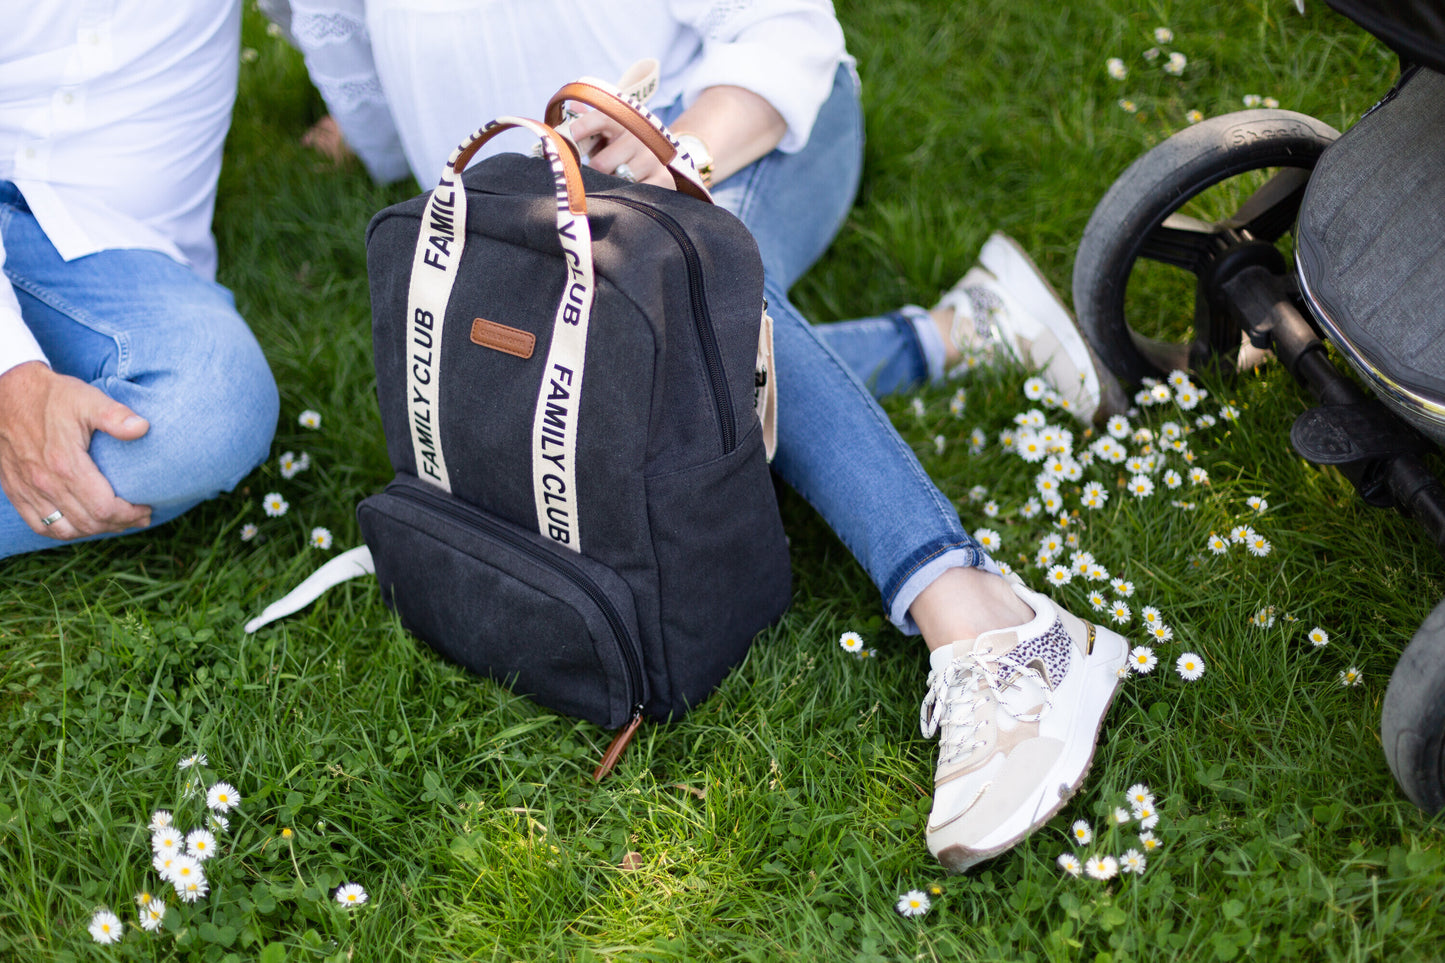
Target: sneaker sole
<point>1002,256</point>
<point>1101,668</point>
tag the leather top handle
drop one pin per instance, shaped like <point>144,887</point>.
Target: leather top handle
<point>637,121</point>
<point>571,172</point>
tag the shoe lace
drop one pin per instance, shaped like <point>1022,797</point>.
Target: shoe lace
<point>984,308</point>
<point>956,692</point>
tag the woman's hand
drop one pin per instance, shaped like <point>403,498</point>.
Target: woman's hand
<point>737,125</point>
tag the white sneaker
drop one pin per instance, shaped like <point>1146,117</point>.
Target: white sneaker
<point>1007,302</point>
<point>1018,712</point>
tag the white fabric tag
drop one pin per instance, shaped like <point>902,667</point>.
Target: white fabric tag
<point>349,564</point>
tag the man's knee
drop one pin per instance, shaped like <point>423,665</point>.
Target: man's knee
<point>212,414</point>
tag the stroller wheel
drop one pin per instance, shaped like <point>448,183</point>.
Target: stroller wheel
<point>1179,212</point>
<point>1412,725</point>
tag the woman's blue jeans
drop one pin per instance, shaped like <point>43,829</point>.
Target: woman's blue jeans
<point>158,338</point>
<point>836,447</point>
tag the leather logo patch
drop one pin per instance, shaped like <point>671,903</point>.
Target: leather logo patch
<point>513,341</point>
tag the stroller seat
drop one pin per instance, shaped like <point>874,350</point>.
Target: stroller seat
<point>1370,247</point>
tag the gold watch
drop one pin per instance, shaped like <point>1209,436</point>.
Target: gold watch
<point>701,156</point>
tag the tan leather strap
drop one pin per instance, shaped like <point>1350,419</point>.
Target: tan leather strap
<point>576,196</point>
<point>637,121</point>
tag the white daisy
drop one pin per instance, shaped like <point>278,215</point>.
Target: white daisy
<point>1132,862</point>
<point>1093,495</point>
<point>1119,427</point>
<point>200,844</point>
<point>1030,508</point>
<point>192,890</point>
<point>1081,832</point>
<point>1239,534</point>
<point>939,444</point>
<point>1252,100</point>
<point>195,759</point>
<point>1258,545</point>
<point>1053,503</point>
<point>976,441</point>
<point>1102,867</point>
<point>161,819</point>
<point>915,902</point>
<point>1097,601</point>
<point>105,927</point>
<point>1121,816</point>
<point>1035,388</point>
<point>249,531</point>
<point>168,840</point>
<point>1128,106</point>
<point>185,869</point>
<point>1161,632</point>
<point>1150,615</point>
<point>958,403</point>
<point>1119,612</point>
<point>977,493</point>
<point>218,823</point>
<point>1147,840</point>
<point>1148,816</point>
<point>274,505</point>
<point>1142,659</point>
<point>1173,479</point>
<point>1205,421</point>
<point>918,408</point>
<point>1141,486</point>
<point>851,642</point>
<point>1051,545</point>
<point>151,915</point>
<point>320,538</point>
<point>165,863</point>
<point>1070,864</point>
<point>1116,68</point>
<point>1059,575</point>
<point>988,538</point>
<point>1097,573</point>
<point>222,797</point>
<point>1229,412</point>
<point>1164,35</point>
<point>1189,666</point>
<point>1351,676</point>
<point>1217,545</point>
<point>1123,587</point>
<point>1139,795</point>
<point>309,419</point>
<point>1318,637</point>
<point>1159,394</point>
<point>1271,103</point>
<point>1264,618</point>
<point>1029,447</point>
<point>990,508</point>
<point>1198,476</point>
<point>1176,64</point>
<point>1256,503</point>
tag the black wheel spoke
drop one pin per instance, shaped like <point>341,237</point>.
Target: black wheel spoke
<point>1271,210</point>
<point>1182,241</point>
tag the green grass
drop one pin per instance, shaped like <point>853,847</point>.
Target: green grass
<point>783,818</point>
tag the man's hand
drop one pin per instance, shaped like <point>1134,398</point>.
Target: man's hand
<point>46,422</point>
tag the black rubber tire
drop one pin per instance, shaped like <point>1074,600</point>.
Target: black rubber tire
<point>1159,184</point>
<point>1412,725</point>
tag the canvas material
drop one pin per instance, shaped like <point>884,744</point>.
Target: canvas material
<point>673,490</point>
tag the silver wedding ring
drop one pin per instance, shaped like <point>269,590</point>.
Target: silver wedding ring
<point>624,172</point>
<point>52,518</point>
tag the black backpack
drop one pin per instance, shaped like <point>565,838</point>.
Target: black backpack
<point>582,506</point>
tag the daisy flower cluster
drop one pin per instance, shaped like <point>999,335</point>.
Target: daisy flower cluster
<point>852,643</point>
<point>178,855</point>
<point>1162,55</point>
<point>1134,821</point>
<point>275,505</point>
<point>1145,457</point>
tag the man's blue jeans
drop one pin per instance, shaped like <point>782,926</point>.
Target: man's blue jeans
<point>836,446</point>
<point>161,340</point>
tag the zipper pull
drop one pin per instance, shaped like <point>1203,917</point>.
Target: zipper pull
<point>618,744</point>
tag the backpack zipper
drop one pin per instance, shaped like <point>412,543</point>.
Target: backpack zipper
<point>702,319</point>
<point>626,644</point>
